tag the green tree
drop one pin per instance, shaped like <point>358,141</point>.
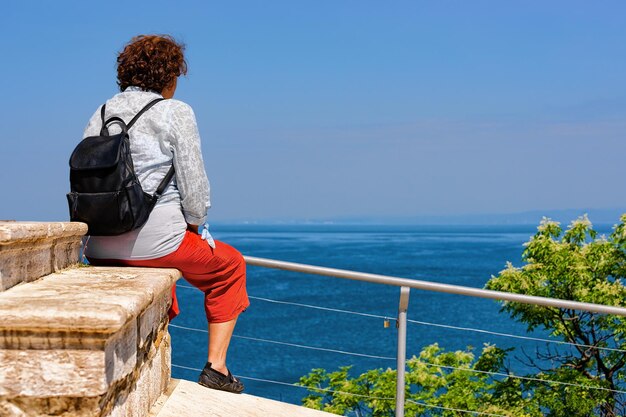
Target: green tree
<point>583,379</point>
<point>574,264</point>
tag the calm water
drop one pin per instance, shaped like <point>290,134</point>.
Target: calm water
<point>456,255</point>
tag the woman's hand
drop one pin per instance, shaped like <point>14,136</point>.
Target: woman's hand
<point>207,236</point>
<point>205,233</point>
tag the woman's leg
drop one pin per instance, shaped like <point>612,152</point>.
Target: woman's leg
<point>221,274</point>
<point>225,295</point>
<point>219,339</point>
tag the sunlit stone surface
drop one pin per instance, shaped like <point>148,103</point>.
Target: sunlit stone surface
<point>30,250</point>
<point>81,341</point>
<point>186,398</point>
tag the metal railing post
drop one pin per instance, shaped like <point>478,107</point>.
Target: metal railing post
<point>401,364</point>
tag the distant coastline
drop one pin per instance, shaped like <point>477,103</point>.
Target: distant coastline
<point>604,217</point>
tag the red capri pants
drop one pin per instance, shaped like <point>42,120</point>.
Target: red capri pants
<point>220,273</point>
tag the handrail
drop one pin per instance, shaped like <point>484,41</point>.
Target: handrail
<point>406,284</point>
<point>434,286</point>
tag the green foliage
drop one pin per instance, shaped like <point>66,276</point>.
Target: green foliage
<point>572,264</point>
<point>438,383</point>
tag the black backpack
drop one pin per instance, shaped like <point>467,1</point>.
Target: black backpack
<point>105,192</point>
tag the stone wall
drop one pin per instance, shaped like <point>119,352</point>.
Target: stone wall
<point>30,250</point>
<point>81,341</point>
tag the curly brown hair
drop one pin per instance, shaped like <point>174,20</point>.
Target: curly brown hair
<point>150,62</point>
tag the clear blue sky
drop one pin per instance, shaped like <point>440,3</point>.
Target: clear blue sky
<point>325,109</point>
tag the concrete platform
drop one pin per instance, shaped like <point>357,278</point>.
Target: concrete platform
<point>186,399</point>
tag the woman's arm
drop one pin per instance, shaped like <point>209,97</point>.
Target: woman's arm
<point>191,177</point>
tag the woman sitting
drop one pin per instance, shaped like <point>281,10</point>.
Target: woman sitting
<point>167,134</point>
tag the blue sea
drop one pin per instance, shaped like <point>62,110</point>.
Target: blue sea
<point>461,255</point>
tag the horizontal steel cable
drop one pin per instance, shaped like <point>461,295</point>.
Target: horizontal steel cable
<point>269,300</point>
<point>292,384</point>
<point>513,336</point>
<point>292,344</point>
<point>346,393</point>
<point>425,323</point>
<point>525,378</point>
<point>440,407</point>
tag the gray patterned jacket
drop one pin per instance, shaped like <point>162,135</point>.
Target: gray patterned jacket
<point>164,134</point>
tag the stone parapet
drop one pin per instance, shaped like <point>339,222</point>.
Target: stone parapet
<point>84,341</point>
<point>30,250</point>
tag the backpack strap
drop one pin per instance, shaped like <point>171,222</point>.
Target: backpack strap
<point>125,127</point>
<point>142,111</point>
<point>165,182</point>
<point>170,174</point>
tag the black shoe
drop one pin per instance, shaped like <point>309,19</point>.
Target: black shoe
<point>211,378</point>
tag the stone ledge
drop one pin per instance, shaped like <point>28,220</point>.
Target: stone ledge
<point>30,250</point>
<point>80,302</point>
<point>13,232</point>
<point>89,339</point>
